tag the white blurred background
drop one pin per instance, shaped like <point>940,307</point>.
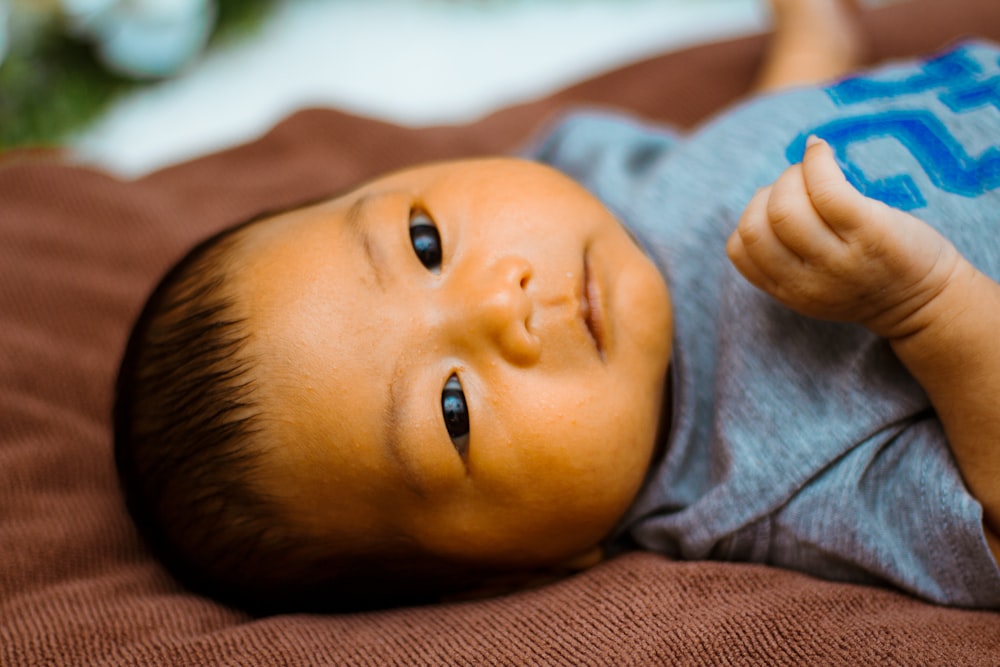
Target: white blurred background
<point>414,62</point>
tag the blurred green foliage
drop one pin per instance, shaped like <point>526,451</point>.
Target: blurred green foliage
<point>52,84</point>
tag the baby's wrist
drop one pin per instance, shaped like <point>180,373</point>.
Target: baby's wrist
<point>927,302</point>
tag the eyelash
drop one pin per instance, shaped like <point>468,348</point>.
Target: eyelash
<point>425,240</point>
<point>456,414</point>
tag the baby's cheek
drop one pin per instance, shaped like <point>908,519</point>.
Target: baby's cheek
<point>646,322</point>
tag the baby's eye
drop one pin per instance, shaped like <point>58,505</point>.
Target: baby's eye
<point>425,239</point>
<point>456,414</point>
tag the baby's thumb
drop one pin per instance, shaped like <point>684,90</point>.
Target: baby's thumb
<point>833,197</point>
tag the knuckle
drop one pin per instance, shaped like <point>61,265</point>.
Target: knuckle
<point>825,192</point>
<point>781,211</point>
<point>785,203</point>
<point>749,236</point>
<point>749,230</point>
<point>872,247</point>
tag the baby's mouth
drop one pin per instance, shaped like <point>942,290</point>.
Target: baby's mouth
<point>591,307</point>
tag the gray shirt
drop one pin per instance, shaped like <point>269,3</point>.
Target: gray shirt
<point>797,442</point>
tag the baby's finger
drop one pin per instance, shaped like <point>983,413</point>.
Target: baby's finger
<point>736,246</point>
<point>756,251</point>
<point>744,264</point>
<point>795,221</point>
<point>837,201</point>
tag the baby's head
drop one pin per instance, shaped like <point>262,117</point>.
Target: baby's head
<point>450,376</point>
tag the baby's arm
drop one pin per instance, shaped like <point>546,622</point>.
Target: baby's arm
<point>820,247</point>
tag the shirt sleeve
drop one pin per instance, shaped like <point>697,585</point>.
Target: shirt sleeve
<point>608,153</point>
<point>891,510</point>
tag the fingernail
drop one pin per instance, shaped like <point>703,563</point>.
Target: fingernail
<point>813,140</point>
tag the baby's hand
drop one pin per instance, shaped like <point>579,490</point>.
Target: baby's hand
<point>823,249</point>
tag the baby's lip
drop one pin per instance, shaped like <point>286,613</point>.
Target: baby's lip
<point>591,306</point>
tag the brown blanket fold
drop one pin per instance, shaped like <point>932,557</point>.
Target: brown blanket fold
<point>80,249</point>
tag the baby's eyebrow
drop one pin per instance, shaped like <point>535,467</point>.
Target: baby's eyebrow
<point>394,429</point>
<point>355,213</point>
<point>356,218</point>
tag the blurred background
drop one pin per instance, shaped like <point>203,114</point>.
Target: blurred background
<point>135,85</point>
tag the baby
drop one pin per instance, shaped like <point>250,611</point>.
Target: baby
<point>470,376</point>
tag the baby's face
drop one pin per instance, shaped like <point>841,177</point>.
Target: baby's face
<point>466,356</point>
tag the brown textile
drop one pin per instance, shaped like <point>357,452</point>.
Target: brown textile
<point>78,252</point>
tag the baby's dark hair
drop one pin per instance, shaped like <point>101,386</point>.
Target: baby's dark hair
<point>185,418</point>
<point>190,443</point>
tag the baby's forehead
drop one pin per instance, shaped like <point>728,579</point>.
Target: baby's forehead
<point>296,227</point>
<point>282,225</point>
<point>441,177</point>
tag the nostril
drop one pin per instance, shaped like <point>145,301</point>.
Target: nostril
<point>524,282</point>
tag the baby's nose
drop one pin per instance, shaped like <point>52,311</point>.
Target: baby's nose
<point>498,309</point>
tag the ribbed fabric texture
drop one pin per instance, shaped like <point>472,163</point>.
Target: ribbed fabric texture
<point>78,252</point>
